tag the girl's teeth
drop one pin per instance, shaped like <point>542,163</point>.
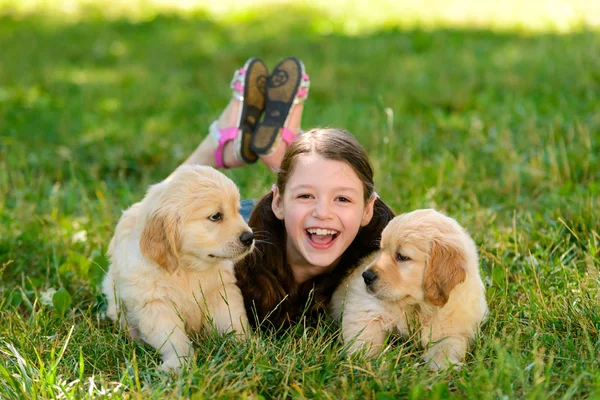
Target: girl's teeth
<point>321,232</point>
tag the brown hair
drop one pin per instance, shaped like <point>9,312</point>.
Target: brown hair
<point>271,295</point>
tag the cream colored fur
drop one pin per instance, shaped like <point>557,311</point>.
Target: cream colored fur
<point>172,266</point>
<point>427,281</point>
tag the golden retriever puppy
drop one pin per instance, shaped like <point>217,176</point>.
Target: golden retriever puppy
<point>172,260</point>
<point>426,277</point>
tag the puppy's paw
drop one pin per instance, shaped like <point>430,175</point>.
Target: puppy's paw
<point>437,364</point>
<point>446,353</point>
<point>172,365</point>
<point>365,348</point>
<point>438,360</point>
<point>134,333</point>
<point>241,330</point>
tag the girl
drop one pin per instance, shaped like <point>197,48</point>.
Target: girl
<point>321,217</point>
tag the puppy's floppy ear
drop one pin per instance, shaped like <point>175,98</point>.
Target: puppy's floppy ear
<point>443,272</point>
<point>161,239</point>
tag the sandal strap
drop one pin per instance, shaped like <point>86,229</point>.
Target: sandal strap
<point>287,135</point>
<point>220,137</point>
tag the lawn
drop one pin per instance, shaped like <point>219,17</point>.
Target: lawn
<point>492,117</point>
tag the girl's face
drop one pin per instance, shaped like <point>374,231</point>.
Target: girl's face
<point>322,208</point>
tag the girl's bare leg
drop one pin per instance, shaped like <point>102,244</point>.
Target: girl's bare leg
<point>205,152</point>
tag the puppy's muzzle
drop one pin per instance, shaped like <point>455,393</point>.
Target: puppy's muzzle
<point>247,238</point>
<point>369,277</point>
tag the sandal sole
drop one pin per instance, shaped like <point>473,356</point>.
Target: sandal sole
<point>282,87</point>
<point>252,106</point>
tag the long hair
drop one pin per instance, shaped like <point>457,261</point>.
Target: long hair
<point>271,295</point>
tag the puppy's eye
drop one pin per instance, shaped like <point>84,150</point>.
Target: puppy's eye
<point>216,217</point>
<point>401,257</point>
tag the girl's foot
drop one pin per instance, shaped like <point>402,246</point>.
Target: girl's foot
<point>287,88</point>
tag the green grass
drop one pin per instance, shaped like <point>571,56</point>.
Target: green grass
<point>498,127</point>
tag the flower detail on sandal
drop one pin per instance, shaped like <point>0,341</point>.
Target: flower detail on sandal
<point>302,92</point>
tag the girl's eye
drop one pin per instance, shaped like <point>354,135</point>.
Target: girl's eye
<point>304,196</point>
<point>216,217</point>
<point>343,199</point>
<point>401,257</point>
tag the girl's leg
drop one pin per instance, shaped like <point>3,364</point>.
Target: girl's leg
<point>205,152</point>
<point>228,142</point>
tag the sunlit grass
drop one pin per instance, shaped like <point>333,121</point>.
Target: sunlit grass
<point>343,16</point>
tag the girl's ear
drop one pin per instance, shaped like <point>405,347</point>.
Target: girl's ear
<point>276,204</point>
<point>368,212</point>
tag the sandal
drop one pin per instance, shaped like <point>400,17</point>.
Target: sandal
<point>248,86</point>
<point>287,85</point>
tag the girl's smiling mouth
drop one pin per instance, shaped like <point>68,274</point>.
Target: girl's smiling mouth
<point>321,238</point>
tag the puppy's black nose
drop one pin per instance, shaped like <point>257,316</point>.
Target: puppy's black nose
<point>247,238</point>
<point>369,276</point>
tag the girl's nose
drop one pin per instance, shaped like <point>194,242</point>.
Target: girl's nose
<point>322,209</point>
